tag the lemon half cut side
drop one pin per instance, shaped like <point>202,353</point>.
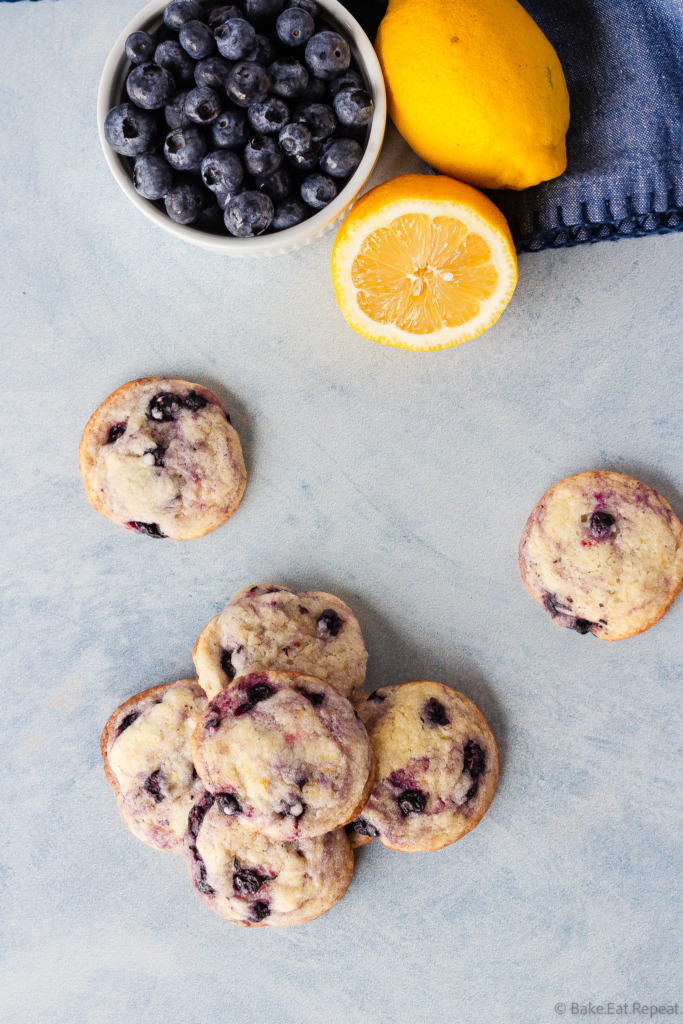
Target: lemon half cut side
<point>423,262</point>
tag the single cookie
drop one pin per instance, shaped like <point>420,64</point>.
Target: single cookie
<point>148,761</point>
<point>254,881</point>
<point>271,627</point>
<point>160,457</point>
<point>437,766</point>
<point>286,753</point>
<point>603,554</point>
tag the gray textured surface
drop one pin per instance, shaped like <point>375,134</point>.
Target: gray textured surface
<point>402,483</point>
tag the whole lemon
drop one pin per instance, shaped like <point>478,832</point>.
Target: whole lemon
<point>476,89</point>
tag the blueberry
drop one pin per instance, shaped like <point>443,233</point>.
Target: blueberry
<point>224,13</point>
<point>228,804</point>
<point>230,130</point>
<point>295,139</point>
<point>306,5</point>
<point>257,693</point>
<point>554,607</point>
<point>194,402</point>
<point>152,177</point>
<point>185,202</point>
<point>601,524</point>
<point>235,38</point>
<point>247,83</point>
<point>263,51</point>
<point>222,171</point>
<point>474,759</point>
<point>268,116</point>
<point>348,80</point>
<point>174,112</point>
<point>318,191</point>
<point>249,214</point>
<point>316,699</point>
<point>292,808</point>
<point>115,432</point>
<point>177,13</point>
<point>185,148</point>
<point>150,86</point>
<point>315,90</point>
<point>149,529</point>
<point>329,622</point>
<point>411,801</point>
<point>434,713</point>
<point>362,827</point>
<point>289,213</point>
<point>288,77</point>
<point>582,626</point>
<point>327,54</point>
<point>246,880</point>
<point>170,55</point>
<point>294,27</point>
<point>353,107</point>
<point>259,911</point>
<point>307,161</point>
<point>227,665</point>
<point>224,197</point>
<point>140,47</point>
<point>157,454</point>
<point>278,185</point>
<point>318,118</point>
<point>262,155</point>
<point>212,72</point>
<point>340,157</point>
<point>163,407</point>
<point>263,10</point>
<point>197,39</point>
<point>153,786</point>
<point>128,720</point>
<point>202,105</point>
<point>129,130</point>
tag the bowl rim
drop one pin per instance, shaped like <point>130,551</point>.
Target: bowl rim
<point>111,81</point>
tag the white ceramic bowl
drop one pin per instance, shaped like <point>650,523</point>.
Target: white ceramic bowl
<point>112,92</point>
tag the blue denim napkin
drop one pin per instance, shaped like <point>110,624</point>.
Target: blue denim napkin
<point>623,60</point>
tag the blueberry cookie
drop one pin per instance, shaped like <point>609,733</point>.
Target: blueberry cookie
<point>254,881</point>
<point>286,753</point>
<point>148,761</point>
<point>271,627</point>
<point>603,554</point>
<point>437,767</point>
<point>160,457</point>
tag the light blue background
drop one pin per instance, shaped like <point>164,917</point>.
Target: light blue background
<point>400,482</point>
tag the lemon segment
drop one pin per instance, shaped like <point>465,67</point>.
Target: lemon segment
<point>423,262</point>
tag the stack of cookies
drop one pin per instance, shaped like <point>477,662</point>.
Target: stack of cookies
<point>273,764</point>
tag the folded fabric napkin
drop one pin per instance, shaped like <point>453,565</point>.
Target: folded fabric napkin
<point>623,61</point>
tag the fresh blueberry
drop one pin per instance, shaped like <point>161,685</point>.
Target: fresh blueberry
<point>288,77</point>
<point>150,86</point>
<point>246,880</point>
<point>185,148</point>
<point>181,11</point>
<point>163,407</point>
<point>329,622</point>
<point>230,130</point>
<point>263,51</point>
<point>277,185</point>
<point>295,139</point>
<point>212,72</point>
<point>185,202</point>
<point>262,155</point>
<point>140,47</point>
<point>228,804</point>
<point>294,27</point>
<point>153,786</point>
<point>601,524</point>
<point>353,107</point>
<point>149,529</point>
<point>268,116</point>
<point>411,801</point>
<point>202,105</point>
<point>348,80</point>
<point>263,10</point>
<point>129,130</point>
<point>115,432</point>
<point>327,54</point>
<point>247,83</point>
<point>175,114</point>
<point>197,39</point>
<point>340,157</point>
<point>259,911</point>
<point>152,177</point>
<point>222,171</point>
<point>249,214</point>
<point>289,213</point>
<point>222,14</point>
<point>474,759</point>
<point>227,665</point>
<point>128,720</point>
<point>194,402</point>
<point>318,118</point>
<point>171,56</point>
<point>307,5</point>
<point>235,38</point>
<point>318,190</point>
<point>434,713</point>
<point>307,161</point>
<point>362,827</point>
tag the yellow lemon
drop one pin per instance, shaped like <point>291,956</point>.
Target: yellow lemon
<point>476,89</point>
<point>423,262</point>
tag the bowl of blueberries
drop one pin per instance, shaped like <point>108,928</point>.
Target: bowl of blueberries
<point>246,128</point>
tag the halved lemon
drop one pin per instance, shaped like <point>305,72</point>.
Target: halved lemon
<point>423,262</point>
